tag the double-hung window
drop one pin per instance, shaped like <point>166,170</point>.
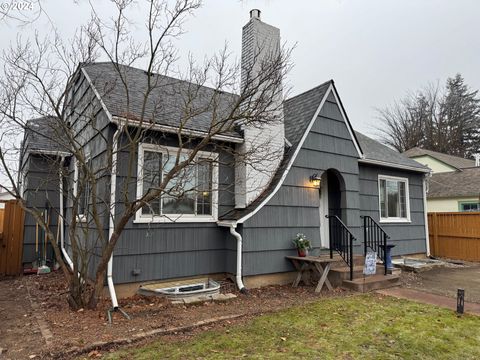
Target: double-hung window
<point>393,199</point>
<point>190,196</point>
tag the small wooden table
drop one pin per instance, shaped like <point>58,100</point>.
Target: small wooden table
<point>321,265</point>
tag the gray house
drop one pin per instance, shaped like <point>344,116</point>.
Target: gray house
<point>327,169</point>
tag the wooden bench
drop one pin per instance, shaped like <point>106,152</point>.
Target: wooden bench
<point>320,265</point>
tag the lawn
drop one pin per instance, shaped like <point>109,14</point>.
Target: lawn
<point>356,327</point>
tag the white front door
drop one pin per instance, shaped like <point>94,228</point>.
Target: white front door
<point>324,232</point>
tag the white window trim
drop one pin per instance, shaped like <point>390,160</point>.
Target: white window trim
<point>176,218</point>
<point>407,200</point>
<point>80,217</point>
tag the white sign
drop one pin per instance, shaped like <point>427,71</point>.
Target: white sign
<point>370,267</point>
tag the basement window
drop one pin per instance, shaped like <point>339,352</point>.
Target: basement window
<point>191,196</point>
<point>394,201</point>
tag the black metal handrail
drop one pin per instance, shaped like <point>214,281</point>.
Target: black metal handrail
<point>375,238</point>
<point>341,240</point>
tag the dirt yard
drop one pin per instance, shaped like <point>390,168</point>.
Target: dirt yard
<point>64,331</point>
<point>446,280</point>
<point>20,335</point>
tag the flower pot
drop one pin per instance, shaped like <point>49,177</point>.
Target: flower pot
<point>302,252</point>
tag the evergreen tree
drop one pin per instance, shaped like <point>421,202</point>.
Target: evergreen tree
<point>447,121</point>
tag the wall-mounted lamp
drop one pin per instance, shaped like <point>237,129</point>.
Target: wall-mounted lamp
<point>315,179</point>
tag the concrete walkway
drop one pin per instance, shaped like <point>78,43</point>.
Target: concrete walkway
<point>428,298</point>
<point>446,280</point>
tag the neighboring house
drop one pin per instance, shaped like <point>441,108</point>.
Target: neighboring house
<point>455,181</point>
<point>438,162</point>
<point>359,177</point>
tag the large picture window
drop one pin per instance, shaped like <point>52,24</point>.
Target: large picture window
<point>189,196</point>
<point>393,199</point>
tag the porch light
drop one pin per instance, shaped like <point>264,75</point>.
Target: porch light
<point>315,179</point>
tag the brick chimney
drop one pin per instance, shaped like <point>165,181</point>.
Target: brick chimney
<point>264,145</point>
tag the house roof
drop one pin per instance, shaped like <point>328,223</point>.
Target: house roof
<point>455,184</point>
<point>454,161</point>
<point>166,104</point>
<point>42,136</point>
<point>376,151</point>
<point>299,110</point>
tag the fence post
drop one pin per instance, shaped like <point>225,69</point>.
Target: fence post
<point>435,234</point>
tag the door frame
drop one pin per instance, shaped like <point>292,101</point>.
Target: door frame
<point>323,209</point>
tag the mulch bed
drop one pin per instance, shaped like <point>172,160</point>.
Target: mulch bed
<point>74,331</point>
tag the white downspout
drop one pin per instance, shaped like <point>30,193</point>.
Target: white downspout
<point>238,277</point>
<point>427,235</point>
<point>60,223</point>
<point>113,187</point>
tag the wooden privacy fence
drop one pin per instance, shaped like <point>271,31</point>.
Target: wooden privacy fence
<point>455,235</point>
<point>11,239</point>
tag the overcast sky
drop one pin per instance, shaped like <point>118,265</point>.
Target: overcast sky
<point>375,50</point>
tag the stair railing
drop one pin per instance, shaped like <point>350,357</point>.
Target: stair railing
<point>341,240</point>
<point>375,238</point>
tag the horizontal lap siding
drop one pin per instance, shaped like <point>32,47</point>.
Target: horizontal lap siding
<point>408,238</point>
<point>268,235</point>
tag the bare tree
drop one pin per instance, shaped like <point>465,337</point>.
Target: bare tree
<point>445,120</point>
<point>44,78</point>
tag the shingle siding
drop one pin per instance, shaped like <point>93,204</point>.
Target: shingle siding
<point>170,250</point>
<point>41,188</point>
<point>295,208</point>
<point>94,134</point>
<point>409,238</point>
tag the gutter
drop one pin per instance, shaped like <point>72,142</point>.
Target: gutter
<point>238,237</point>
<point>425,214</point>
<point>60,223</point>
<point>111,225</point>
<point>174,130</point>
<point>392,165</point>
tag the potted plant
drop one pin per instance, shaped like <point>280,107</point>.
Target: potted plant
<point>302,244</point>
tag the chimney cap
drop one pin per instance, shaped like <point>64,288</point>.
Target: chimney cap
<point>255,14</point>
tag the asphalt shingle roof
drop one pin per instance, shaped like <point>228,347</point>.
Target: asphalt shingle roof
<point>168,101</point>
<point>299,110</point>
<point>42,134</point>
<point>375,150</point>
<point>455,161</point>
<point>455,184</point>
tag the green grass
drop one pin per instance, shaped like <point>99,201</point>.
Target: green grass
<point>356,327</point>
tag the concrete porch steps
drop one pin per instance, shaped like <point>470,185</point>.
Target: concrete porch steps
<point>372,282</point>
